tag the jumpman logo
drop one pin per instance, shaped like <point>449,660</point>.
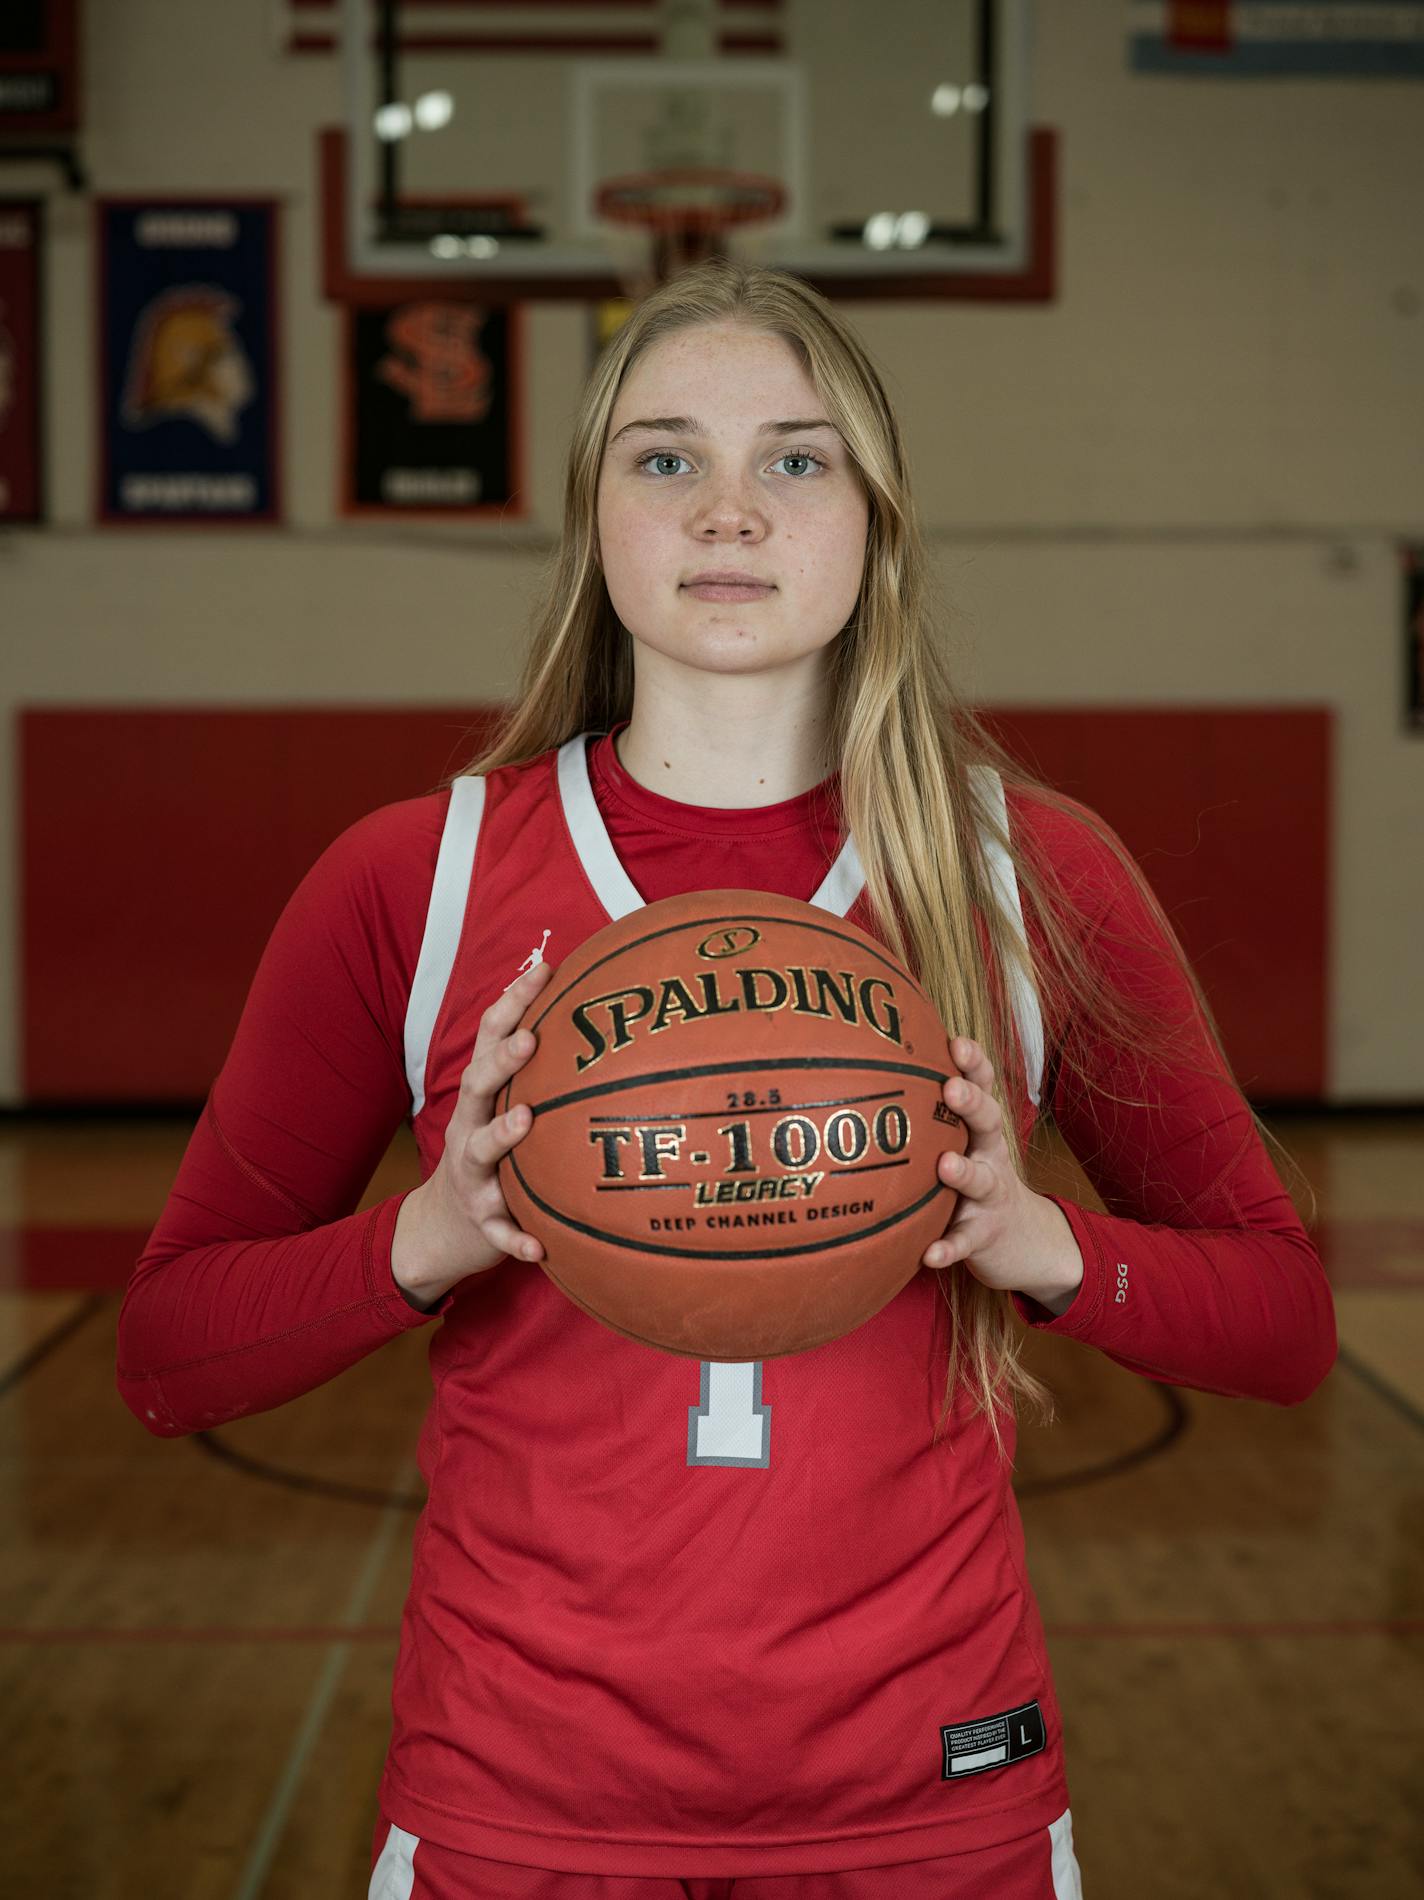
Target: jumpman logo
<point>536,955</point>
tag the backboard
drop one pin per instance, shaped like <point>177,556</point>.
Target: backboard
<point>577,150</point>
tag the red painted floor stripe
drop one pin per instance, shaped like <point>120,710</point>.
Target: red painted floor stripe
<point>1345,1626</point>
<point>1372,1253</point>
<point>69,1259</point>
<point>1355,1626</point>
<point>202,1634</point>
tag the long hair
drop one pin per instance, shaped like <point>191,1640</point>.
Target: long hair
<point>904,745</point>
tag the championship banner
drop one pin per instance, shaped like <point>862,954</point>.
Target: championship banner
<point>1254,39</point>
<point>21,228</point>
<point>39,66</point>
<point>434,409</point>
<point>188,373</point>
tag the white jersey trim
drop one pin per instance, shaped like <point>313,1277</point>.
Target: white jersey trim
<point>838,889</point>
<point>1067,1880</point>
<point>444,921</point>
<point>612,885</point>
<point>393,1876</point>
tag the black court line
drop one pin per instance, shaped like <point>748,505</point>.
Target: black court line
<point>1178,1417</point>
<point>1175,1406</point>
<point>1382,1389</point>
<point>1173,1400</point>
<point>49,1343</point>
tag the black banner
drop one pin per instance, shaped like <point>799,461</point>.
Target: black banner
<point>433,409</point>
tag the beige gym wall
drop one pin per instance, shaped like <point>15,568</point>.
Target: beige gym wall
<point>1183,481</point>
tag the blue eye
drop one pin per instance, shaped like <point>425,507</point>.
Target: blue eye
<point>786,455</point>
<point>659,455</point>
<point>802,455</point>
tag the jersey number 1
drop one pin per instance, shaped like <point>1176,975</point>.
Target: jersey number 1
<point>729,1425</point>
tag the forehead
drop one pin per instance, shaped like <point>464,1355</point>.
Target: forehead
<point>738,366</point>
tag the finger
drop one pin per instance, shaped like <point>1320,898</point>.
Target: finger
<point>973,1105</point>
<point>491,1067</point>
<point>505,1011</point>
<point>942,1253</point>
<point>975,1179</point>
<point>972,1062</point>
<point>502,1233</point>
<point>490,1143</point>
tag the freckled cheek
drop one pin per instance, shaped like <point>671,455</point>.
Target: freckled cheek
<point>620,537</point>
<point>838,551</point>
<point>634,560</point>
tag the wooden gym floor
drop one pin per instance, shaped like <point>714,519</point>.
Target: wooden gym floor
<point>197,1636</point>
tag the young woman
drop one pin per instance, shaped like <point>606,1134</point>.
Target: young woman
<point>677,1630</point>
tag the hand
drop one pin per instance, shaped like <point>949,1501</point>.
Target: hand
<point>1007,1236</point>
<point>457,1222</point>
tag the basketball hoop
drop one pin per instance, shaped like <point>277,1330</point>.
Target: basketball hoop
<point>687,209</point>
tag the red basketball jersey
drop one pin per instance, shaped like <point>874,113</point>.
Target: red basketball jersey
<point>669,1618</point>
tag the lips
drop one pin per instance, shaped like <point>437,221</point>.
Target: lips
<point>728,586</point>
<point>724,590</point>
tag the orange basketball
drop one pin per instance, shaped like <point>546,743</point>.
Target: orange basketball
<point>738,1112</point>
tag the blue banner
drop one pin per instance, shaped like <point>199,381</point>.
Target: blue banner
<point>188,369</point>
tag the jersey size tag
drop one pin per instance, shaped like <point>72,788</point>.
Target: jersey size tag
<point>991,1741</point>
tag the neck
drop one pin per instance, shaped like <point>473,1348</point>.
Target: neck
<point>734,752</point>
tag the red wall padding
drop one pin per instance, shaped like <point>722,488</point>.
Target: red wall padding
<point>158,847</point>
<point>1228,811</point>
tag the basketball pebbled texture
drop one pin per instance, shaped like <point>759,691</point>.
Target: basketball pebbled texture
<point>738,1114</point>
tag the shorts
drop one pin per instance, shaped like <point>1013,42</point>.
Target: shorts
<point>1038,1866</point>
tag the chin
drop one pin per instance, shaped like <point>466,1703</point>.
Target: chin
<point>745,658</point>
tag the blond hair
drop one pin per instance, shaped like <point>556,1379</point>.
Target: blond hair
<point>903,743</point>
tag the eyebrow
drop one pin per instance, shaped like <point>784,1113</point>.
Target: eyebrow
<point>689,425</point>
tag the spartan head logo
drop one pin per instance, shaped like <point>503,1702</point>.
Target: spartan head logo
<point>187,360</point>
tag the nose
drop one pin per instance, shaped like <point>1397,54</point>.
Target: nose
<point>733,509</point>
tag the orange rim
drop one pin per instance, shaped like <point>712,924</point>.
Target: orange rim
<point>747,198</point>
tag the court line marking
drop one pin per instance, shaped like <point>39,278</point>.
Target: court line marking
<point>269,1832</point>
<point>18,1370</point>
<point>1381,1388</point>
<point>378,1633</point>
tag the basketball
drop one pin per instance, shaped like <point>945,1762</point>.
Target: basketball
<point>738,1114</point>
